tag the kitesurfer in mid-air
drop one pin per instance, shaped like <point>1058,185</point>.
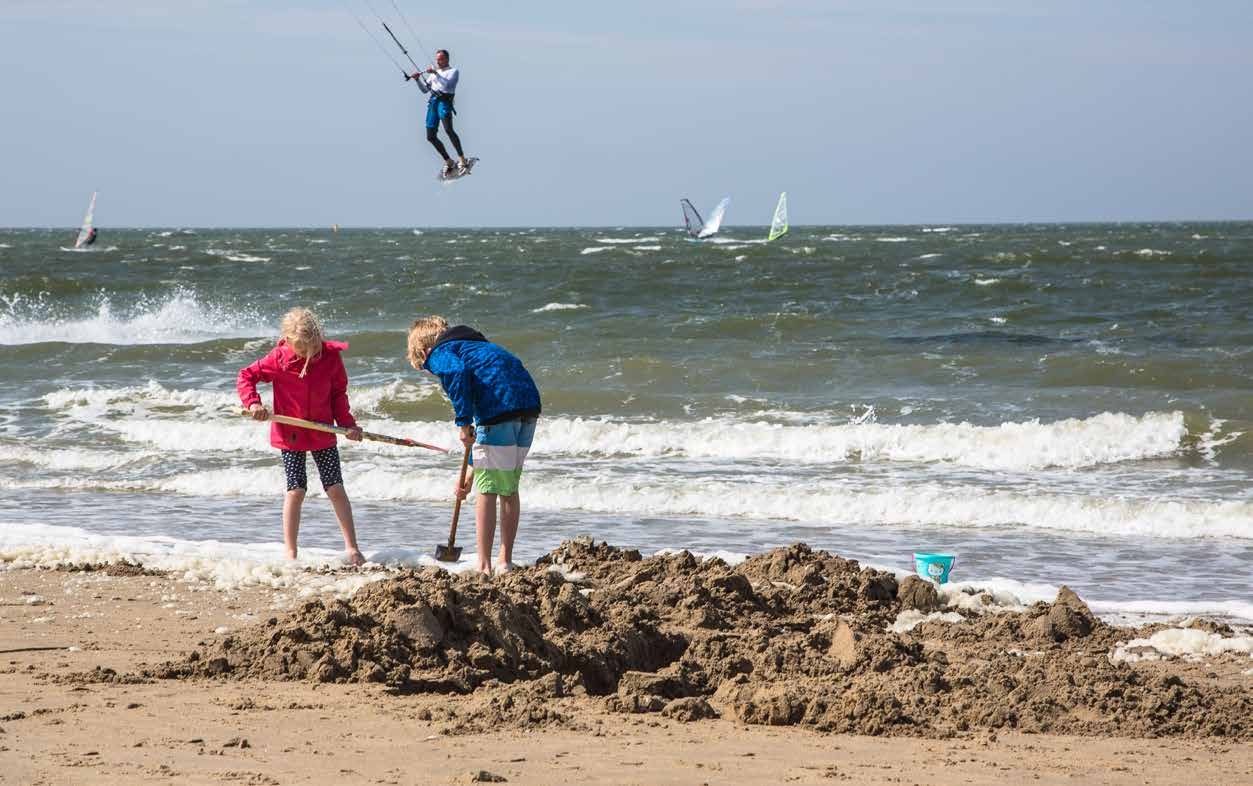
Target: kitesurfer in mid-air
<point>441,82</point>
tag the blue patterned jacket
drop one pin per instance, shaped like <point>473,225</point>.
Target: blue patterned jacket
<point>485,383</point>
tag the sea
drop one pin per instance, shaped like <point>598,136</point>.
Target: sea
<point>1053,404</point>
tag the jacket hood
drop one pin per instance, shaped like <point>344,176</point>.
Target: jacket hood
<point>459,333</point>
<point>288,358</point>
<point>456,333</point>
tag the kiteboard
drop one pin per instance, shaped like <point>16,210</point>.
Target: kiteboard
<point>457,173</point>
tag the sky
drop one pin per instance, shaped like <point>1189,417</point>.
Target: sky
<point>275,113</point>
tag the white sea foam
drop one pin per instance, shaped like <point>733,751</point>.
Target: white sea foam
<point>140,414</point>
<point>1152,252</point>
<point>1188,643</point>
<point>1073,443</point>
<point>208,564</point>
<point>558,307</point>
<point>987,282</point>
<point>236,256</point>
<point>227,566</point>
<point>1213,439</point>
<point>928,256</point>
<point>646,248</point>
<point>1172,610</point>
<point>595,250</point>
<point>627,240</point>
<point>178,318</point>
<point>893,239</point>
<point>383,478</point>
<point>909,619</point>
<point>938,229</point>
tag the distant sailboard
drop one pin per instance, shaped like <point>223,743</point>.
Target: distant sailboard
<point>699,229</point>
<point>457,173</point>
<point>778,225</point>
<point>86,233</point>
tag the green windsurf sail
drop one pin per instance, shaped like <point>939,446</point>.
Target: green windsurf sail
<point>778,225</point>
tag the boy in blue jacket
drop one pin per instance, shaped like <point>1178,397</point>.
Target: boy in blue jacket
<point>489,388</point>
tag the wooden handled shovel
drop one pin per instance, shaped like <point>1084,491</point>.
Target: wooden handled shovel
<point>452,552</point>
<point>327,427</point>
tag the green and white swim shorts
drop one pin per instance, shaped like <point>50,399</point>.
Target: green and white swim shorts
<point>499,452</point>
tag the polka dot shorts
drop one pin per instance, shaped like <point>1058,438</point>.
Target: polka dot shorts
<point>327,460</point>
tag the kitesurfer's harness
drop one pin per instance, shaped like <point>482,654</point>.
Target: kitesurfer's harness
<point>446,98</point>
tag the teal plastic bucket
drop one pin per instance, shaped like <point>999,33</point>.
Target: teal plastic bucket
<point>934,567</point>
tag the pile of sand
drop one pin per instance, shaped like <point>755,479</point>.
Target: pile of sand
<point>791,636</point>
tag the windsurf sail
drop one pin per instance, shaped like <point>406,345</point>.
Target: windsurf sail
<point>84,234</point>
<point>715,219</point>
<point>778,225</point>
<point>691,218</point>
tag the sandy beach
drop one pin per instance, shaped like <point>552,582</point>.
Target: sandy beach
<point>117,674</point>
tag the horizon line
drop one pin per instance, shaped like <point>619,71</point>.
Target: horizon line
<point>667,227</point>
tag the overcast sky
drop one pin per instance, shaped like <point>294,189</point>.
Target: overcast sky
<point>277,113</point>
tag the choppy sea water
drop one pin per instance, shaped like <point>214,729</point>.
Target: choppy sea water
<point>1055,404</point>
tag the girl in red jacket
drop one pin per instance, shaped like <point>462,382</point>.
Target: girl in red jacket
<point>309,383</point>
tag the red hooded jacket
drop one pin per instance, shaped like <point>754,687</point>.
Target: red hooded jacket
<point>321,394</point>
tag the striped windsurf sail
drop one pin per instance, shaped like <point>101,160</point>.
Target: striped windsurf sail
<point>691,219</point>
<point>85,231</point>
<point>778,224</point>
<point>715,219</point>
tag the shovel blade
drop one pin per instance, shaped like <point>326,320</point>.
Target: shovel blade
<point>448,553</point>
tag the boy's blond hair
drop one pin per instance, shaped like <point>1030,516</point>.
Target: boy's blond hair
<point>303,332</point>
<point>422,335</point>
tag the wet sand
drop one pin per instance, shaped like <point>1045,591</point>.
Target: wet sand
<point>107,679</point>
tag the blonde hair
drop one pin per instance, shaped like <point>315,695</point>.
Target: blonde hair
<point>303,332</point>
<point>422,335</point>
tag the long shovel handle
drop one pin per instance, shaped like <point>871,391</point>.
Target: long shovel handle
<point>330,429</point>
<point>456,508</point>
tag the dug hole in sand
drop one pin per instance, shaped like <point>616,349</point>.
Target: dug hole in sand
<point>789,637</point>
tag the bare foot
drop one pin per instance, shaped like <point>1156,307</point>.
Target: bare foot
<point>291,554</point>
<point>504,567</point>
<point>355,557</point>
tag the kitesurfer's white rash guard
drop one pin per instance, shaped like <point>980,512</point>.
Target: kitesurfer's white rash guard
<point>444,80</point>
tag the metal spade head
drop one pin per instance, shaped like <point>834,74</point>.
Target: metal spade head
<point>447,553</point>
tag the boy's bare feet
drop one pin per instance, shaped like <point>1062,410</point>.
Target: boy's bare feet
<point>355,557</point>
<point>504,567</point>
<point>291,554</point>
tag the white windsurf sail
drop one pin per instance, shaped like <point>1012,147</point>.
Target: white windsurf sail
<point>715,219</point>
<point>85,232</point>
<point>691,218</point>
<point>778,225</point>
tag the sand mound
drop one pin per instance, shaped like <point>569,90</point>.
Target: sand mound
<point>792,636</point>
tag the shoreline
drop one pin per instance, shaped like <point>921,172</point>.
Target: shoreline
<point>79,701</point>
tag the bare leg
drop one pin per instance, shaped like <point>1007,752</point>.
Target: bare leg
<point>291,519</point>
<point>485,520</point>
<point>343,512</point>
<point>510,508</point>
